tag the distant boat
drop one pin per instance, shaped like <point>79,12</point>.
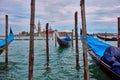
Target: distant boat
<point>107,57</point>
<point>107,39</point>
<point>3,42</point>
<point>64,42</point>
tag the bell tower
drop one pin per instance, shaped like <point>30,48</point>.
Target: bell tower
<point>39,27</point>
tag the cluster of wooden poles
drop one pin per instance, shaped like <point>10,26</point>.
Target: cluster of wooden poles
<point>31,52</point>
<point>31,48</point>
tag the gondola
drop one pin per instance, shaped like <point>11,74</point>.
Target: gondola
<point>107,57</point>
<point>3,42</point>
<point>103,66</point>
<point>107,39</point>
<point>64,42</point>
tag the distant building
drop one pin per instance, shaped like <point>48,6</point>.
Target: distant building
<point>61,34</point>
<point>51,32</point>
<point>40,33</point>
<point>39,28</point>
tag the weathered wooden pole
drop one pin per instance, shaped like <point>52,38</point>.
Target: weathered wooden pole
<point>72,38</point>
<point>47,45</point>
<point>85,57</point>
<point>55,38</point>
<point>76,41</point>
<point>118,31</point>
<point>6,33</point>
<point>105,35</point>
<point>31,48</point>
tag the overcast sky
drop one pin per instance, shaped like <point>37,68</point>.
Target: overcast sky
<point>101,16</point>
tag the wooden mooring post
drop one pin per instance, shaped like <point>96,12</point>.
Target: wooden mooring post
<point>31,48</point>
<point>85,57</point>
<point>55,38</point>
<point>6,33</point>
<point>72,38</point>
<point>105,35</point>
<point>76,41</point>
<point>47,45</point>
<point>118,31</point>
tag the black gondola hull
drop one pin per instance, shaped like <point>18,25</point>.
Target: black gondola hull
<point>63,43</point>
<point>104,67</point>
<point>3,42</point>
<point>106,39</point>
<point>1,50</point>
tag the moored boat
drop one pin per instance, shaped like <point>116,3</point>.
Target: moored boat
<point>107,39</point>
<point>107,57</point>
<point>103,66</point>
<point>64,42</point>
<point>3,42</point>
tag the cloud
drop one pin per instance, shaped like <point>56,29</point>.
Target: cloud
<point>67,31</point>
<point>56,11</point>
<point>107,19</point>
<point>60,13</point>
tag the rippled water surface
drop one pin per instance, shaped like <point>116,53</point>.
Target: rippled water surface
<point>61,65</point>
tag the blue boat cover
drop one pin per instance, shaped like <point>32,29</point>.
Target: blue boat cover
<point>112,58</point>
<point>107,53</point>
<point>10,39</point>
<point>67,38</point>
<point>96,45</point>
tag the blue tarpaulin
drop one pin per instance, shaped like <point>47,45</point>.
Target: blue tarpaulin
<point>10,39</point>
<point>112,58</point>
<point>97,46</point>
<point>107,53</point>
<point>67,38</point>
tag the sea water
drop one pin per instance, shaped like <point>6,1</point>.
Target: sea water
<point>62,62</point>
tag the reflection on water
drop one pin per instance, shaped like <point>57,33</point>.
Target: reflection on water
<point>62,63</point>
<point>46,73</point>
<point>62,49</point>
<point>97,73</point>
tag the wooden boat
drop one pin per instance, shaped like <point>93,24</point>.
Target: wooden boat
<point>64,42</point>
<point>1,50</point>
<point>3,42</point>
<point>98,51</point>
<point>103,66</point>
<point>107,39</point>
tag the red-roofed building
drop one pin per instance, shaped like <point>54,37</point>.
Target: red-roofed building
<point>43,33</point>
<point>50,32</point>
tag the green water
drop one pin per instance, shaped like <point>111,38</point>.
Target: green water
<point>61,65</point>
